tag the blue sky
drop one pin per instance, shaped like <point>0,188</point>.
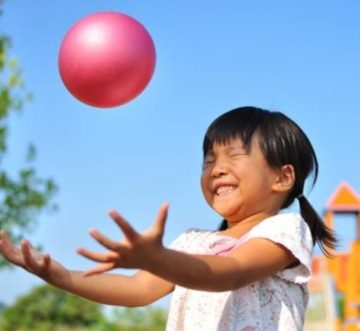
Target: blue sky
<point>301,58</point>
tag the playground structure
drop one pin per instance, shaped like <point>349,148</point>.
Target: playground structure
<point>334,303</point>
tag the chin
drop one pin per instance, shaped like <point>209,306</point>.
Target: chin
<point>228,215</point>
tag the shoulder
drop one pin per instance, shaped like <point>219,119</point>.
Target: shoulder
<point>289,219</point>
<point>292,232</point>
<point>287,224</point>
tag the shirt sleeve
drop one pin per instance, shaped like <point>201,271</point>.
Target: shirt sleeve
<point>181,243</point>
<point>178,243</point>
<point>292,232</point>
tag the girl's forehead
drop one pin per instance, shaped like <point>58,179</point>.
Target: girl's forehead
<point>228,145</point>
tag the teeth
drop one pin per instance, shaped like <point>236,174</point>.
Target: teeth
<point>224,189</point>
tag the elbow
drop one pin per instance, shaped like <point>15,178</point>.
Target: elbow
<point>224,280</point>
<point>141,301</point>
<point>214,283</point>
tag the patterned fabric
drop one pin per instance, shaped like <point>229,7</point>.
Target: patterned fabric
<point>277,302</point>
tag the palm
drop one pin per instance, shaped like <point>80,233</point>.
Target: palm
<point>135,251</point>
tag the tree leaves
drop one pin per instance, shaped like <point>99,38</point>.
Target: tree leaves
<point>25,195</point>
<point>46,308</point>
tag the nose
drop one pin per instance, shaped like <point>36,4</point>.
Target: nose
<point>219,169</point>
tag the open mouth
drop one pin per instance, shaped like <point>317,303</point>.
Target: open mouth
<point>224,190</point>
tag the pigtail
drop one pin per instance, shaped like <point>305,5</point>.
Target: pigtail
<point>321,234</point>
<point>282,142</point>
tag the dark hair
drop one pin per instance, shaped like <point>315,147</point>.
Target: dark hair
<point>282,142</point>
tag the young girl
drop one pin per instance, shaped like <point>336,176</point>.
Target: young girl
<point>252,273</point>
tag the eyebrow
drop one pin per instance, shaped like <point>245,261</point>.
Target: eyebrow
<point>232,148</point>
<point>229,148</point>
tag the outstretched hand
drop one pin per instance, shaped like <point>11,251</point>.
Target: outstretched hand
<point>24,256</point>
<point>139,251</point>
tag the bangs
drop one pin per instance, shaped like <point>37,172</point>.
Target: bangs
<point>240,123</point>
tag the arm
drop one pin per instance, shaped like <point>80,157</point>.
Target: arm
<point>141,289</point>
<point>256,259</point>
<point>245,265</point>
<point>138,290</point>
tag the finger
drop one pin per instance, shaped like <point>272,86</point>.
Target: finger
<point>1,241</point>
<point>46,261</point>
<point>160,220</point>
<point>101,268</point>
<point>9,250</point>
<point>8,246</point>
<point>98,257</point>
<point>6,239</point>
<point>104,241</point>
<point>128,230</point>
<point>28,256</point>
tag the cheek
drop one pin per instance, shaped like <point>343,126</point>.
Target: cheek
<point>204,186</point>
<point>203,183</point>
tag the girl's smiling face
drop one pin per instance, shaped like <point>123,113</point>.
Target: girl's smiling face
<point>238,183</point>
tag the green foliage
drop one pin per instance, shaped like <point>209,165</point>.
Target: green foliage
<point>140,319</point>
<point>24,195</point>
<point>47,308</point>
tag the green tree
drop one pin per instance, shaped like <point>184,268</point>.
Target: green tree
<point>24,195</point>
<point>47,308</point>
<point>140,319</point>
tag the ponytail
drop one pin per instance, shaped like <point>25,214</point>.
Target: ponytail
<point>321,234</point>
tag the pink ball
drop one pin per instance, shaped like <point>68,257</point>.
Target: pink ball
<point>107,59</point>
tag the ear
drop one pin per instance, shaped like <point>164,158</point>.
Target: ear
<point>285,179</point>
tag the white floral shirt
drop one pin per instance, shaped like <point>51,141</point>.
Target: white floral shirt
<point>277,302</point>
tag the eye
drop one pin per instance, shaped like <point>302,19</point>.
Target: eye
<point>236,155</point>
<point>208,161</point>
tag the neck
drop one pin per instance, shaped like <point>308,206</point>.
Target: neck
<point>238,228</point>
